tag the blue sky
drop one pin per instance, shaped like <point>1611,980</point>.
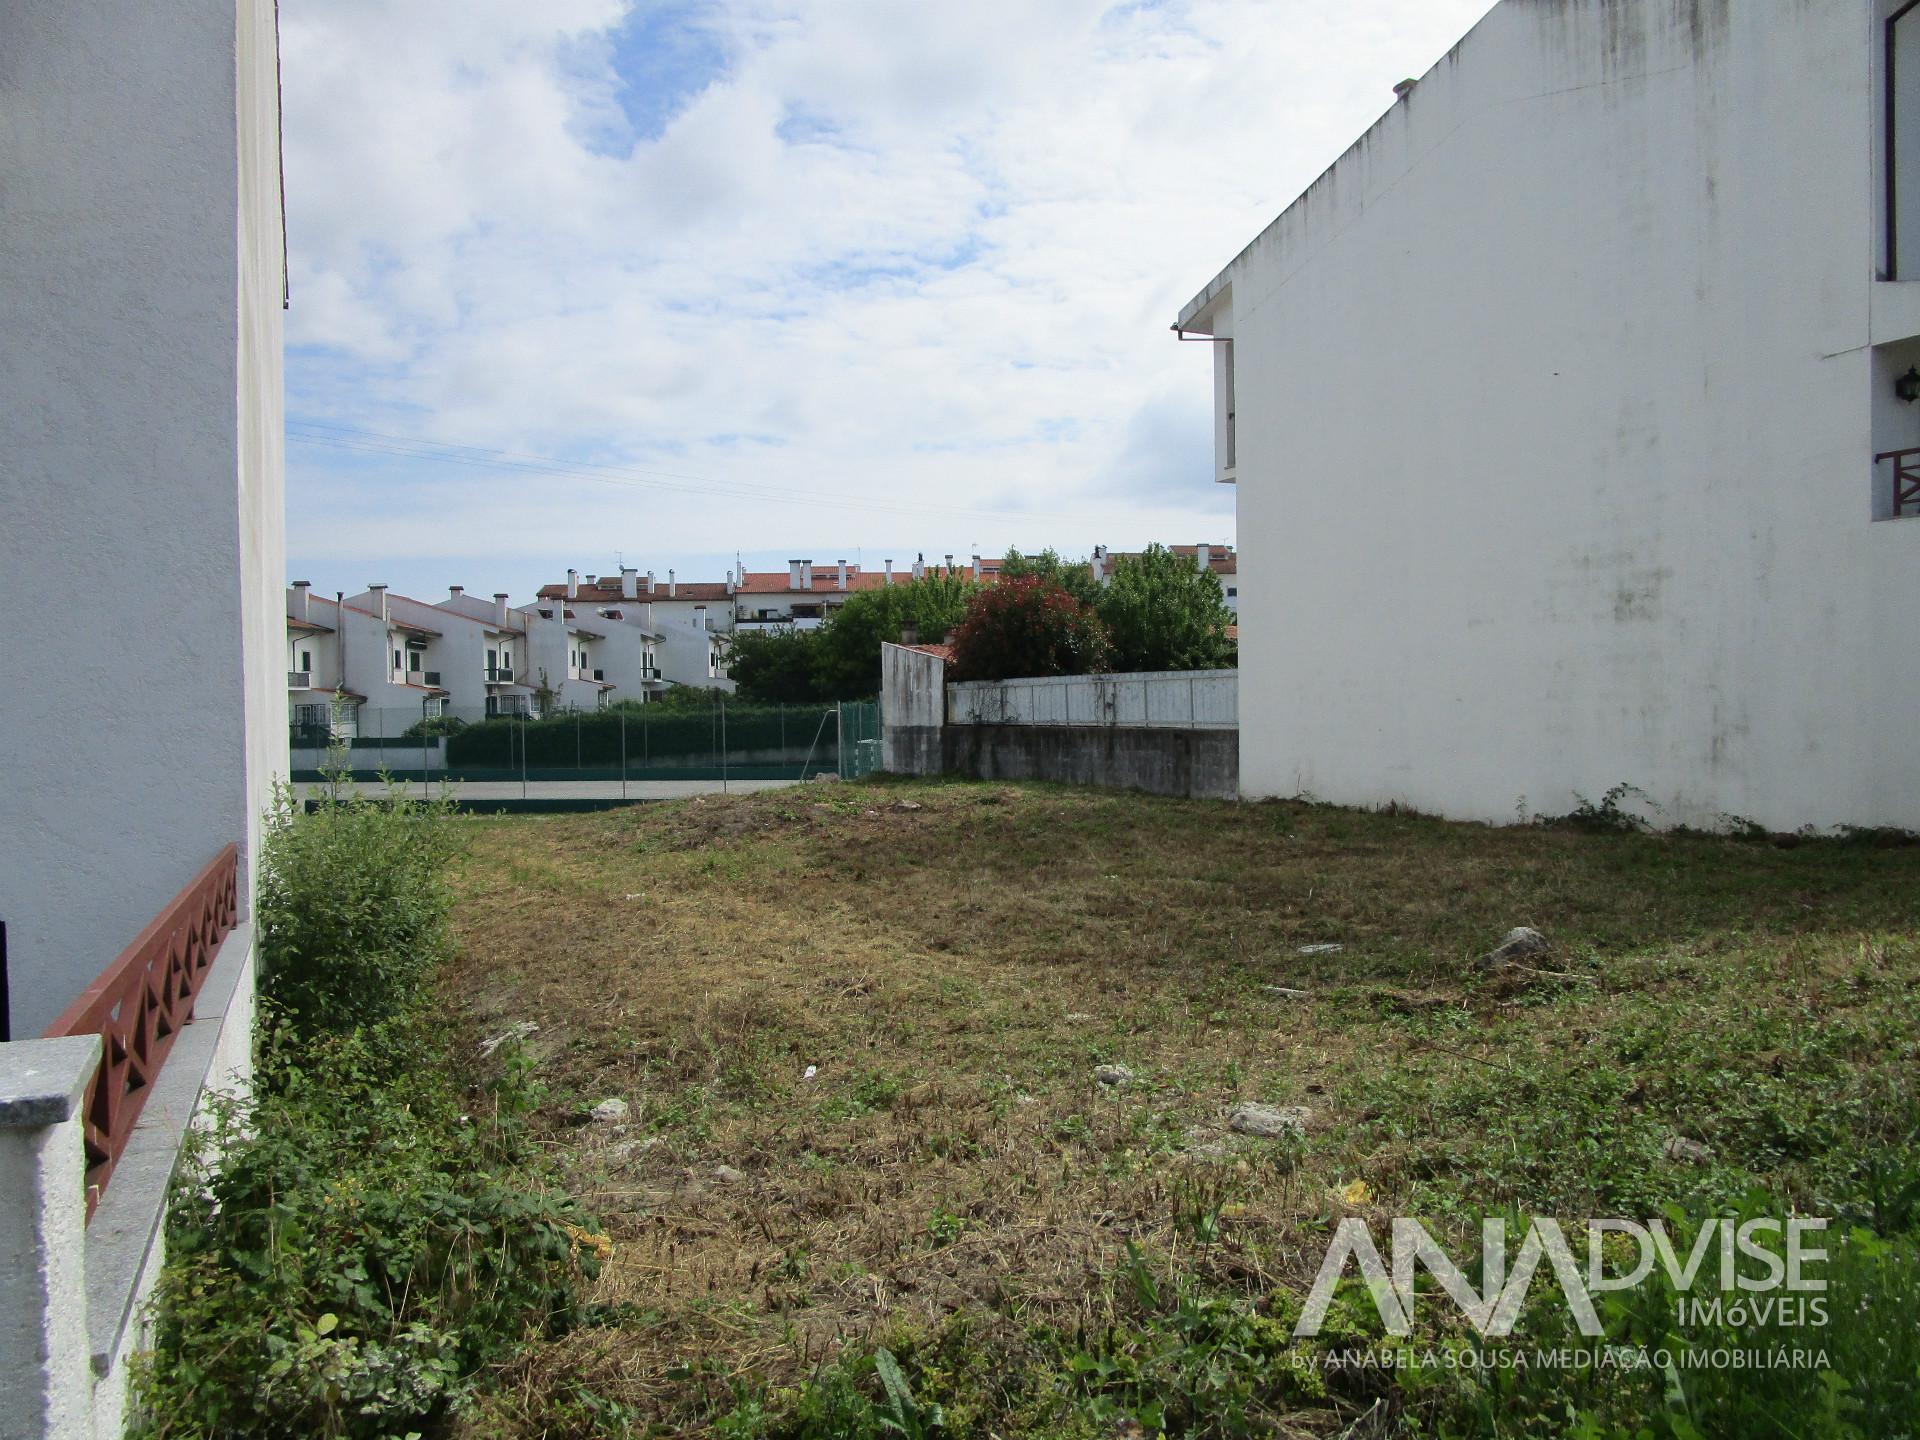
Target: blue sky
<point>590,281</point>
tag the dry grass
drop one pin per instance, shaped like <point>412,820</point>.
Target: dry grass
<point>956,960</point>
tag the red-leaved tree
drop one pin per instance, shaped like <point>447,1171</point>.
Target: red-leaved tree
<point>1026,627</point>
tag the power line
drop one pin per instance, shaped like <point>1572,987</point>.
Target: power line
<point>375,442</point>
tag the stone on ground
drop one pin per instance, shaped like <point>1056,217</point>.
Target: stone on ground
<point>1270,1121</point>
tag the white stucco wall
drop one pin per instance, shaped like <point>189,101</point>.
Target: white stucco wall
<point>140,466</point>
<point>1556,411</point>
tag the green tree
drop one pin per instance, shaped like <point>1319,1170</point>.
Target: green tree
<point>1073,576</point>
<point>847,658</point>
<point>1163,612</point>
<point>1027,626</point>
<point>776,667</point>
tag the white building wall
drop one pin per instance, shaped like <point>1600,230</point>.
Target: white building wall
<point>1555,419</point>
<point>140,467</point>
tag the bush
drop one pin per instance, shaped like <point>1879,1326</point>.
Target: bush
<point>352,906</point>
<point>366,1242</point>
<point>432,726</point>
<point>1163,612</point>
<point>348,1256</point>
<point>1028,626</point>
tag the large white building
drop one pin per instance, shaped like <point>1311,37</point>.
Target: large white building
<point>1554,408</point>
<point>142,280</point>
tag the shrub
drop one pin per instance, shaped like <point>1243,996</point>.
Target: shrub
<point>366,1242</point>
<point>1164,612</point>
<point>1028,626</point>
<point>432,726</point>
<point>352,907</point>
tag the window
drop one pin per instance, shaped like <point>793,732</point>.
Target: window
<point>413,661</point>
<point>396,661</point>
<point>1233,592</point>
<point>306,659</point>
<point>1902,63</point>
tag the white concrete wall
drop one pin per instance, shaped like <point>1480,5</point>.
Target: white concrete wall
<point>1172,699</point>
<point>1555,423</point>
<point>140,467</point>
<point>686,655</point>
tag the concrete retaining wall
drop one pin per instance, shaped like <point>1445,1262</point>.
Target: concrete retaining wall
<point>1175,699</point>
<point>1200,763</point>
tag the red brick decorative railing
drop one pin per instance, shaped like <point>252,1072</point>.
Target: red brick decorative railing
<point>139,1004</point>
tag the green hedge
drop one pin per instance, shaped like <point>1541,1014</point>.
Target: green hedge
<point>595,739</point>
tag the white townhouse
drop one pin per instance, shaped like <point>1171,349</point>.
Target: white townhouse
<point>505,688</point>
<point>142,283</point>
<point>1575,419</point>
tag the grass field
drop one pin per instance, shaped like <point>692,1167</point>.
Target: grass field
<point>1049,1255</point>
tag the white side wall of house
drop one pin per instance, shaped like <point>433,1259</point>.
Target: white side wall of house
<point>693,655</point>
<point>140,467</point>
<point>1556,413</point>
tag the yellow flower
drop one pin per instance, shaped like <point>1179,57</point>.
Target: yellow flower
<point>1357,1193</point>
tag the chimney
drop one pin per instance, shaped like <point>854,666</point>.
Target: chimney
<point>300,599</point>
<point>500,609</point>
<point>573,584</point>
<point>920,565</point>
<point>454,592</point>
<point>649,582</point>
<point>629,588</point>
<point>949,565</point>
<point>730,580</point>
<point>793,574</point>
<point>889,579</point>
<point>910,633</point>
<point>673,587</point>
<point>379,593</point>
<point>1202,557</point>
<point>976,567</point>
<point>806,574</point>
<point>843,574</point>
<point>1098,563</point>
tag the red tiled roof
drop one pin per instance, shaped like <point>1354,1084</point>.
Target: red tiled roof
<point>939,652</point>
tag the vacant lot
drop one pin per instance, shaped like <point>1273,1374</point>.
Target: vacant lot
<point>858,1029</point>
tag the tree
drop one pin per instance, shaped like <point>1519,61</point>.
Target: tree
<point>776,666</point>
<point>1025,626</point>
<point>1075,576</point>
<point>847,659</point>
<point>1164,612</point>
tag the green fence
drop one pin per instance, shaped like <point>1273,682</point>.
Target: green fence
<point>721,740</point>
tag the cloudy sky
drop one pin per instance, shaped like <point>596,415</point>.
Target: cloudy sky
<point>590,280</point>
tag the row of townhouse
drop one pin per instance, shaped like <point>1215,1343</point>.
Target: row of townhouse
<point>378,662</point>
<point>805,594</point>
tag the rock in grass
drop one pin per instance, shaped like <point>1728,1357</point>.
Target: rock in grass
<point>512,1035</point>
<point>1287,992</point>
<point>1325,947</point>
<point>1112,1074</point>
<point>610,1111</point>
<point>1520,942</point>
<point>727,1175</point>
<point>1689,1152</point>
<point>1269,1121</point>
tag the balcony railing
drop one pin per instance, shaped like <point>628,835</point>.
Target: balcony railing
<point>299,679</point>
<point>499,674</point>
<point>139,1005</point>
<point>1906,479</point>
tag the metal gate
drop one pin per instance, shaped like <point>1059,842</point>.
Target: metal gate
<point>859,739</point>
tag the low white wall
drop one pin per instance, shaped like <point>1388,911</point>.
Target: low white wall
<point>1174,699</point>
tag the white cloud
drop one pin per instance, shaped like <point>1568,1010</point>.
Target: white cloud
<point>924,255</point>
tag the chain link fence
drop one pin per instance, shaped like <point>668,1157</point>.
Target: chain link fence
<point>721,741</point>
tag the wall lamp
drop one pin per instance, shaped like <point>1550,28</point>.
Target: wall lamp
<point>1907,387</point>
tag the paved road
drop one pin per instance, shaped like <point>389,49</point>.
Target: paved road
<point>576,789</point>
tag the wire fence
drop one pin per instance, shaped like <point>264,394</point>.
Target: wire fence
<point>722,740</point>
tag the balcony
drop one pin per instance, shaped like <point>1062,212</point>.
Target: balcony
<point>432,678</point>
<point>299,679</point>
<point>499,674</point>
